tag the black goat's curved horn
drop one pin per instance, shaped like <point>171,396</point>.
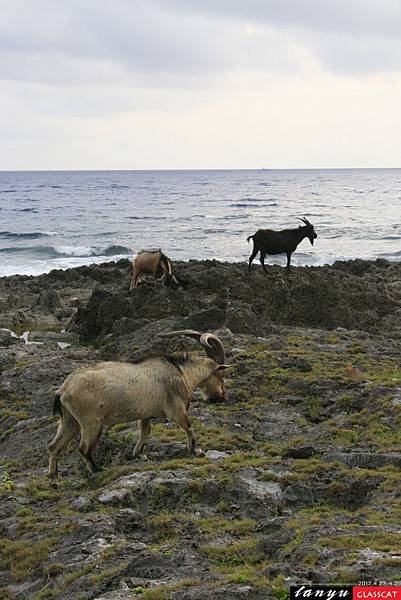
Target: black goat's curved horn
<point>304,220</point>
<point>213,346</point>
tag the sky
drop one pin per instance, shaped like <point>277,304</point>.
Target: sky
<point>200,84</point>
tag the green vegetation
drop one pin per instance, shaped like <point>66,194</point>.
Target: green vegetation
<point>35,326</point>
<point>386,541</point>
<point>321,389</point>
<point>23,557</point>
<point>6,485</point>
<point>164,591</point>
<point>21,365</point>
<point>243,552</point>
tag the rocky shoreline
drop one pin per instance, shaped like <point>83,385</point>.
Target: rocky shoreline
<point>300,482</point>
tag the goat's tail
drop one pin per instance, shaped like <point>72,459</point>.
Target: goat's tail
<point>248,238</point>
<point>57,406</point>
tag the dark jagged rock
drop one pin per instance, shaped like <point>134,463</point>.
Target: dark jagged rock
<point>353,295</point>
<point>99,316</point>
<point>366,460</point>
<point>269,544</point>
<point>352,492</point>
<point>49,299</point>
<point>7,338</point>
<point>300,452</point>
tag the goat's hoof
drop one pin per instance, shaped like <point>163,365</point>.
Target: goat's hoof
<point>54,484</point>
<point>199,453</point>
<point>140,457</point>
<point>91,475</point>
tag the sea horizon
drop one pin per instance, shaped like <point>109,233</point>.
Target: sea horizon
<point>217,169</point>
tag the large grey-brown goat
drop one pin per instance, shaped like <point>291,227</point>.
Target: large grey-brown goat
<point>152,262</point>
<point>154,386</point>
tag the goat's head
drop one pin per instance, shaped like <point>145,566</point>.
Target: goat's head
<point>172,280</point>
<point>212,388</point>
<point>310,233</point>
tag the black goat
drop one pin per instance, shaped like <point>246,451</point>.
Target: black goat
<point>268,241</point>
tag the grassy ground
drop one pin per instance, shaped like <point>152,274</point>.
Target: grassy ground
<point>256,515</point>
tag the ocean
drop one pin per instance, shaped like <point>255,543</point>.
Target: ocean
<point>60,219</point>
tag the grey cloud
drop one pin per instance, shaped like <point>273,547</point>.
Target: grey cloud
<point>138,36</point>
<point>349,36</point>
<point>358,17</point>
<point>192,43</point>
<point>350,55</point>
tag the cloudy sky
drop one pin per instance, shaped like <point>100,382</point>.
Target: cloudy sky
<point>164,84</point>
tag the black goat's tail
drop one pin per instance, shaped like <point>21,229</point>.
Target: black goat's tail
<point>248,238</point>
<point>57,406</point>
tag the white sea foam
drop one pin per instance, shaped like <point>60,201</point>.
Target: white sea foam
<point>80,251</point>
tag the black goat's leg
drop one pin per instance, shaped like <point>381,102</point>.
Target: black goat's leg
<point>288,263</point>
<point>262,261</point>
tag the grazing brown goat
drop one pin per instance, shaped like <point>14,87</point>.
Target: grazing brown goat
<point>152,262</point>
<point>270,242</point>
<point>155,386</point>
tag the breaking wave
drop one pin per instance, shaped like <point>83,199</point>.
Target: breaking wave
<point>67,251</point>
<point>29,235</point>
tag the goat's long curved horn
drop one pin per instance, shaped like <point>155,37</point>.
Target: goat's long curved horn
<point>213,346</point>
<point>304,220</point>
<point>188,332</point>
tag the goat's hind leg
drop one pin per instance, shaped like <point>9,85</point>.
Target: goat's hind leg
<point>262,261</point>
<point>145,430</point>
<point>254,253</point>
<point>90,433</point>
<point>67,428</point>
<point>134,280</point>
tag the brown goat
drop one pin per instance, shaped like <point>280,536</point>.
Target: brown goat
<point>152,262</point>
<point>270,242</point>
<point>155,386</point>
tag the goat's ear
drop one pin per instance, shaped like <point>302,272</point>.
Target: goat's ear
<point>222,367</point>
